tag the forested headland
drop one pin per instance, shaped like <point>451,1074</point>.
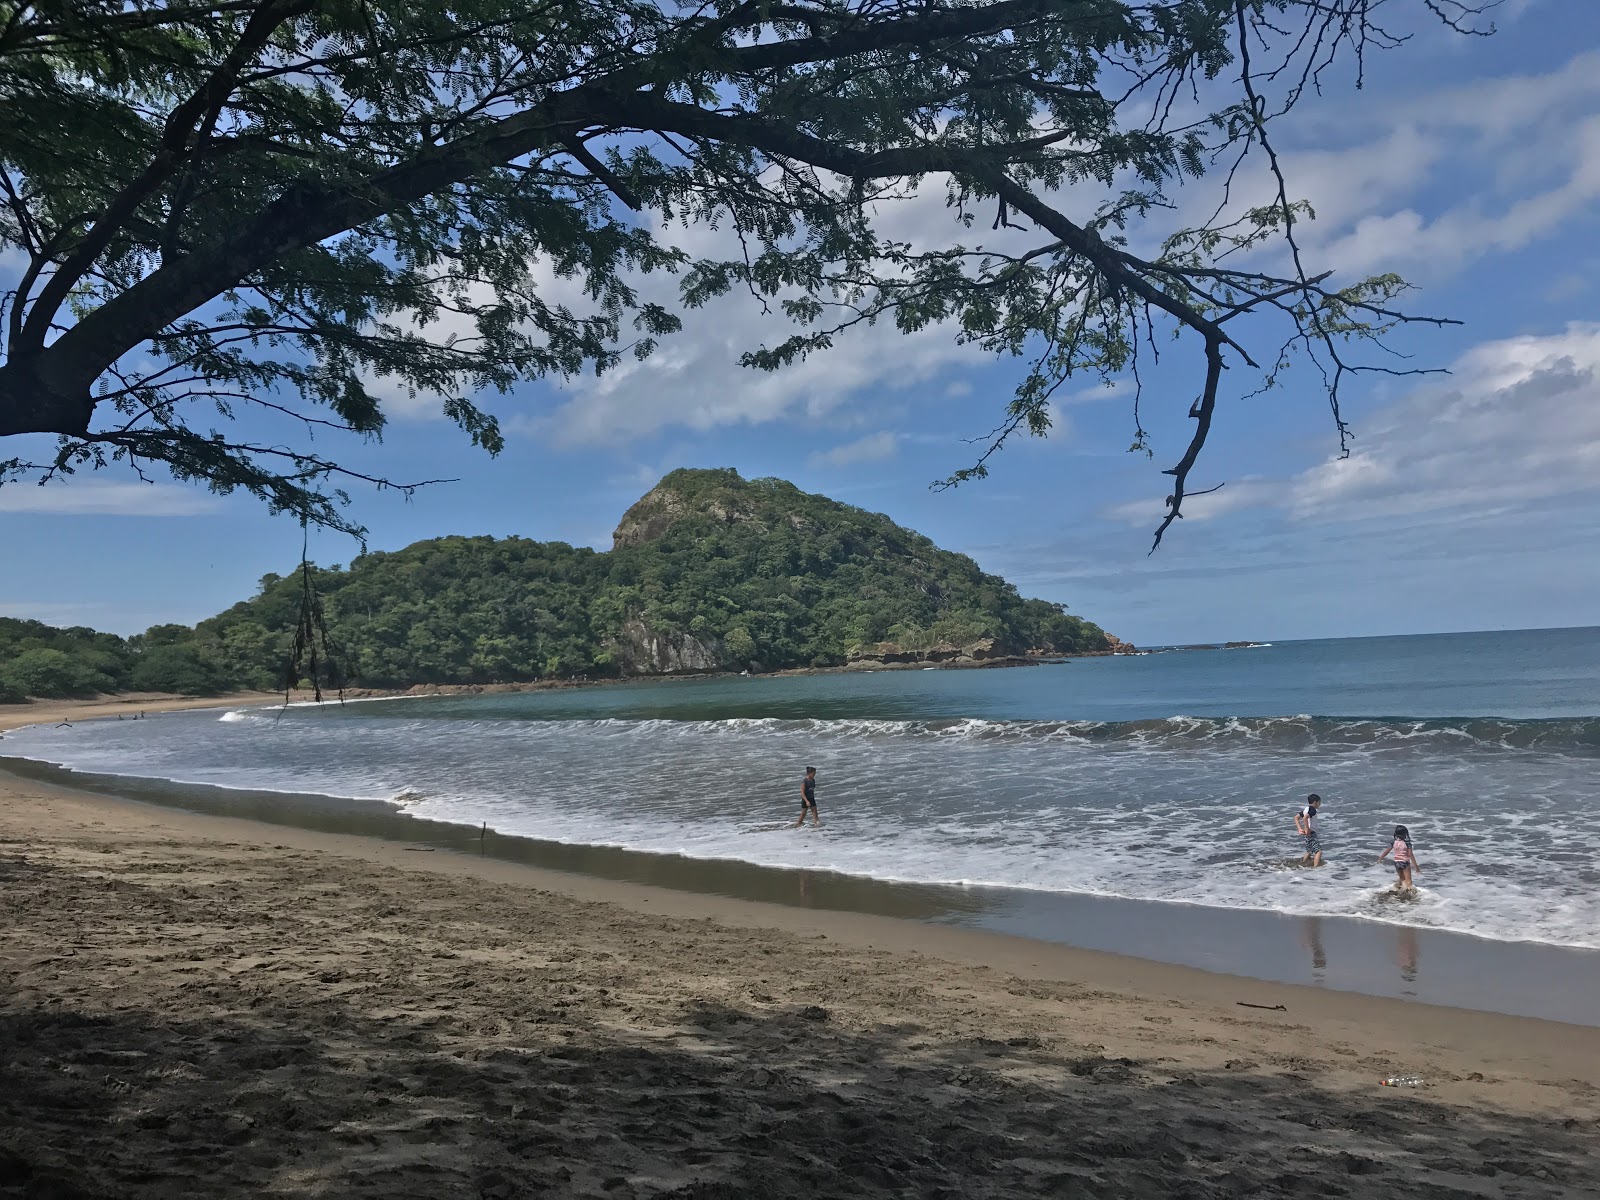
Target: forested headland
<point>708,572</point>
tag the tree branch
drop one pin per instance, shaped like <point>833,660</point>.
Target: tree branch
<point>176,137</point>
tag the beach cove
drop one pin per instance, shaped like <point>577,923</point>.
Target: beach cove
<point>213,1006</point>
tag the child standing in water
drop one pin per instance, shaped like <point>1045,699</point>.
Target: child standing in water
<point>1405,858</point>
<point>1305,824</point>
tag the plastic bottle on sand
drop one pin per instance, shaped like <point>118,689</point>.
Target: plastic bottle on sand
<point>1402,1081</point>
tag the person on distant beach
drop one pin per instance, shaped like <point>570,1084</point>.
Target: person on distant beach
<point>1405,859</point>
<point>808,798</point>
<point>1305,824</point>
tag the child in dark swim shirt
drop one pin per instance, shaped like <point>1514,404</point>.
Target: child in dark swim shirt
<point>1305,824</point>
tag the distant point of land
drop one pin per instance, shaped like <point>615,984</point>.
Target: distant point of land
<point>708,573</point>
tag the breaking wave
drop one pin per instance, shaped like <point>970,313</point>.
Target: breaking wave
<point>1578,736</point>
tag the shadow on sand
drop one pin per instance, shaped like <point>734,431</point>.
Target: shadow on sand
<point>329,1100</point>
<point>218,1019</point>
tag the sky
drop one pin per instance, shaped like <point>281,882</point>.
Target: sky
<point>1471,499</point>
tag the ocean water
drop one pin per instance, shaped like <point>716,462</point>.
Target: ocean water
<point>1170,777</point>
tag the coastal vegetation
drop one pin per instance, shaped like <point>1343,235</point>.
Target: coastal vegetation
<point>243,229</point>
<point>708,572</point>
<point>40,660</point>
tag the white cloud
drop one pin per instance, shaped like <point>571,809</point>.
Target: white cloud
<point>91,497</point>
<point>694,380</point>
<point>1061,424</point>
<point>1516,423</point>
<point>873,448</point>
<point>1470,231</point>
<point>1428,183</point>
<point>1234,495</point>
<point>1537,136</point>
<point>1502,108</point>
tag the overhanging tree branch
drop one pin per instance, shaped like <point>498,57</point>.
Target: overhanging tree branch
<point>191,118</point>
<point>234,163</point>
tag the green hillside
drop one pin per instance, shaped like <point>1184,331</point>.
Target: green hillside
<point>708,572</point>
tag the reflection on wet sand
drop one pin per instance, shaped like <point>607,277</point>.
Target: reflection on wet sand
<point>1311,938</point>
<point>1408,950</point>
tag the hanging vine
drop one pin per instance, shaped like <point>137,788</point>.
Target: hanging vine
<point>314,656</point>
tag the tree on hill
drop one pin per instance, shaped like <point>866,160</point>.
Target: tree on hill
<point>292,206</point>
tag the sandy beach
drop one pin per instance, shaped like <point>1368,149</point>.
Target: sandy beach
<point>203,1006</point>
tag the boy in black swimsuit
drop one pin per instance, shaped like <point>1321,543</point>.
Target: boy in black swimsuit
<point>808,798</point>
<point>1305,824</point>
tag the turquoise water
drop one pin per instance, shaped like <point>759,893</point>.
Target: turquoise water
<point>1520,674</point>
<point>1168,777</point>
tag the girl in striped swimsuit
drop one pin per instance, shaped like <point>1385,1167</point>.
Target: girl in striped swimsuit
<point>1405,858</point>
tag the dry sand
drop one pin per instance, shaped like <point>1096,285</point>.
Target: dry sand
<point>201,1006</point>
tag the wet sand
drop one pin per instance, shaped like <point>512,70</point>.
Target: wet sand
<point>199,1005</point>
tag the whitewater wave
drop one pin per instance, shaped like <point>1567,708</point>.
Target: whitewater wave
<point>1578,736</point>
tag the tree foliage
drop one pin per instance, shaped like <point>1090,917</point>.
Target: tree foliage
<point>44,661</point>
<point>294,206</point>
<point>40,660</point>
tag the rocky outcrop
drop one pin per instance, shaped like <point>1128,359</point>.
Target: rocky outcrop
<point>664,505</point>
<point>651,516</point>
<point>642,650</point>
<point>894,654</point>
<point>985,651</point>
<point>1113,645</point>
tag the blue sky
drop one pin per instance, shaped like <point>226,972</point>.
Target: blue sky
<point>1472,500</point>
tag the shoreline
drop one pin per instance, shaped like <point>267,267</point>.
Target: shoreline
<point>1341,955</point>
<point>203,1005</point>
<point>109,707</point>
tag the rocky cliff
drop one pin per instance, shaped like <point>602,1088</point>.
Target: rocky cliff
<point>641,650</point>
<point>670,502</point>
